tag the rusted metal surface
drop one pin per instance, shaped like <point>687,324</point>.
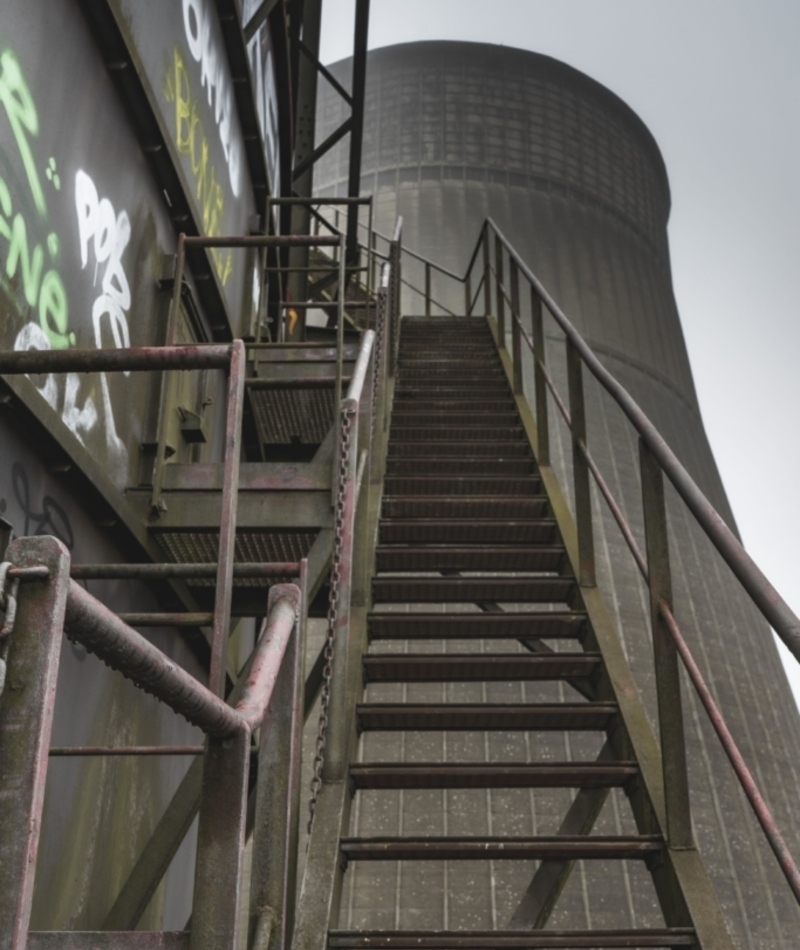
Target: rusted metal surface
<point>763,814</point>
<point>130,359</point>
<point>108,940</point>
<point>186,571</point>
<point>26,721</point>
<point>513,940</point>
<point>93,750</point>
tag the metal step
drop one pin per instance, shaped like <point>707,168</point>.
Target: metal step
<point>391,775</point>
<point>488,507</point>
<point>413,403</point>
<point>551,558</point>
<point>477,667</point>
<point>553,848</point>
<point>460,467</point>
<point>473,590</point>
<point>512,939</point>
<point>462,485</point>
<point>433,417</point>
<point>544,625</point>
<point>506,717</point>
<point>496,449</point>
<point>450,387</point>
<point>489,531</point>
<point>468,433</point>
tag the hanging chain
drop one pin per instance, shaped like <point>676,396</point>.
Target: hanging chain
<point>347,415</point>
<point>8,604</point>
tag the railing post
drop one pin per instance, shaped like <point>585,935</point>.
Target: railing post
<point>275,830</point>
<point>516,317</point>
<point>501,304</point>
<point>580,468</point>
<point>26,720</point>
<point>540,383</point>
<point>668,685</point>
<point>427,289</point>
<point>487,273</point>
<point>468,296</point>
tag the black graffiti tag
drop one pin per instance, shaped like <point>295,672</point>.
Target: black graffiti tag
<point>52,519</point>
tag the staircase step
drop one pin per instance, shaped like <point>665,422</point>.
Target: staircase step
<point>488,531</point>
<point>469,433</point>
<point>477,667</point>
<point>391,775</point>
<point>459,467</point>
<point>511,939</point>
<point>486,507</point>
<point>448,388</point>
<point>459,717</point>
<point>495,449</point>
<point>473,590</point>
<point>433,417</point>
<point>554,848</point>
<point>544,625</point>
<point>415,404</point>
<point>550,558</point>
<point>462,485</point>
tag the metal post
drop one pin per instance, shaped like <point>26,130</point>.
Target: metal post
<point>275,828</point>
<point>227,530</point>
<point>26,719</point>
<point>427,289</point>
<point>487,273</point>
<point>220,843</point>
<point>358,88</point>
<point>516,316</point>
<point>580,468</point>
<point>540,383</point>
<point>668,685</point>
<point>501,304</point>
<point>468,296</point>
<point>335,765</point>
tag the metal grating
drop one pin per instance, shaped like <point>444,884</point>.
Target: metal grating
<point>285,416</point>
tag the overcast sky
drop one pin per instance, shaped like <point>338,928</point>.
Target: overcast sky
<point>718,84</point>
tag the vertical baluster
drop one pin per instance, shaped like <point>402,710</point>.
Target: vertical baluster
<point>427,289</point>
<point>487,273</point>
<point>501,304</point>
<point>668,685</point>
<point>468,295</point>
<point>580,468</point>
<point>540,383</point>
<point>516,316</point>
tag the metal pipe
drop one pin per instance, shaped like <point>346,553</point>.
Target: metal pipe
<point>263,240</point>
<point>129,359</point>
<point>774,608</point>
<point>189,571</point>
<point>362,366</point>
<point>91,750</point>
<point>194,619</point>
<point>746,780</point>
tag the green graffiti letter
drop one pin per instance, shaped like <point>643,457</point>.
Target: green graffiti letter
<point>24,121</point>
<point>18,253</point>
<point>54,312</point>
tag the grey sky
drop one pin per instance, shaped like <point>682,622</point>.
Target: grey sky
<point>718,84</point>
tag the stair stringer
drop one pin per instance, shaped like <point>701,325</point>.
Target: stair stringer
<point>682,884</point>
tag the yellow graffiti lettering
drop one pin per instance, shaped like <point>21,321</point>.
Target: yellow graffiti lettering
<point>191,140</point>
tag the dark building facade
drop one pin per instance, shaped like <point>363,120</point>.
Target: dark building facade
<point>458,131</point>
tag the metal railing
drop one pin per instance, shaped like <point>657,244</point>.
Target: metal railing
<point>657,460</point>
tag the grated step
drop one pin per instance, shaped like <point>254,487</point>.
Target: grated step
<point>477,667</point>
<point>391,775</point>
<point>468,433</point>
<point>495,449</point>
<point>554,848</point>
<point>472,590</point>
<point>544,625</point>
<point>512,940</point>
<point>489,531</point>
<point>488,507</point>
<point>459,467</point>
<point>462,485</point>
<point>551,558</point>
<point>431,417</point>
<point>505,717</point>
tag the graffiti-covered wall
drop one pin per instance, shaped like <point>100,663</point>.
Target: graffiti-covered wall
<point>87,232</point>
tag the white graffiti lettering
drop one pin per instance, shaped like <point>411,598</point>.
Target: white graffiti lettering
<point>197,23</point>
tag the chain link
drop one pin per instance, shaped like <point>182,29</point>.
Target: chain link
<point>8,604</point>
<point>347,416</point>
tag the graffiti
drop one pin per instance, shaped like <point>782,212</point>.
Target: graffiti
<point>23,118</point>
<point>262,66</point>
<point>51,519</point>
<point>197,23</point>
<point>109,235</point>
<point>191,141</point>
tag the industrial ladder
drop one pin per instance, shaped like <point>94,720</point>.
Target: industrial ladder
<point>464,709</point>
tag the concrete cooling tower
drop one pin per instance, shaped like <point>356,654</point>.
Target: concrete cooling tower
<point>455,132</point>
